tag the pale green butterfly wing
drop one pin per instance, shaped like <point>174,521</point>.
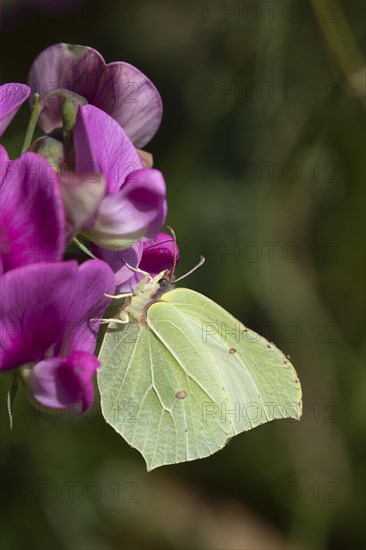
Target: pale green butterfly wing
<point>180,386</point>
<point>251,371</point>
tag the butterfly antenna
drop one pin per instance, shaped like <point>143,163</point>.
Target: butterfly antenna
<point>137,270</point>
<point>201,262</point>
<point>157,244</point>
<point>172,232</point>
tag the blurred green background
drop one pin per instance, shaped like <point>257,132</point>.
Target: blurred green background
<point>263,149</point>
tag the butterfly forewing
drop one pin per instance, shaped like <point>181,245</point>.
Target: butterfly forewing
<point>152,394</point>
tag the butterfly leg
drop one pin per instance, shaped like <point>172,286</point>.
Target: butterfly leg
<point>118,296</point>
<point>114,320</point>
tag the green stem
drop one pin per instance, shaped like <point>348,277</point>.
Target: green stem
<point>84,248</point>
<point>36,110</point>
<point>12,394</point>
<point>68,115</point>
<point>68,111</point>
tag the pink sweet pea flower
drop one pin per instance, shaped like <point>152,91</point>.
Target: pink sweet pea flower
<point>119,89</point>
<point>81,193</point>
<point>134,205</point>
<point>61,382</point>
<point>48,325</point>
<point>12,96</point>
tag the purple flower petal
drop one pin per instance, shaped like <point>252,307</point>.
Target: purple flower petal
<point>81,195</point>
<point>120,89</point>
<point>102,146</point>
<point>117,258</point>
<point>127,95</point>
<point>95,279</point>
<point>158,254</point>
<point>158,220</point>
<point>46,310</point>
<point>31,212</point>
<point>12,96</point>
<point>34,305</point>
<point>4,162</point>
<point>72,67</point>
<point>64,382</point>
<point>138,208</point>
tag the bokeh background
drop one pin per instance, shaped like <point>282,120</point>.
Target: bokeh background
<point>263,149</point>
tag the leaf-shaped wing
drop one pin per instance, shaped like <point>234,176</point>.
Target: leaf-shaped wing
<point>181,386</point>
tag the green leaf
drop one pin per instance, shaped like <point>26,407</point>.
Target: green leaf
<point>183,377</point>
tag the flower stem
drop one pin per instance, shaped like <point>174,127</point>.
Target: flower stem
<point>68,114</point>
<point>68,111</point>
<point>84,248</point>
<point>36,110</point>
<point>10,401</point>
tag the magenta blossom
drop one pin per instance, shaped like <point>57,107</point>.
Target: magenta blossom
<point>134,205</point>
<point>81,193</point>
<point>159,254</point>
<point>48,325</point>
<point>119,89</point>
<point>153,256</point>
<point>31,212</point>
<point>12,96</point>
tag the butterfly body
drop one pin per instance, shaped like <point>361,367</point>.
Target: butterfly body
<point>146,293</point>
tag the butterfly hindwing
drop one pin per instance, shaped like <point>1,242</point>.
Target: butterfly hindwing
<point>256,375</point>
<point>154,401</point>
